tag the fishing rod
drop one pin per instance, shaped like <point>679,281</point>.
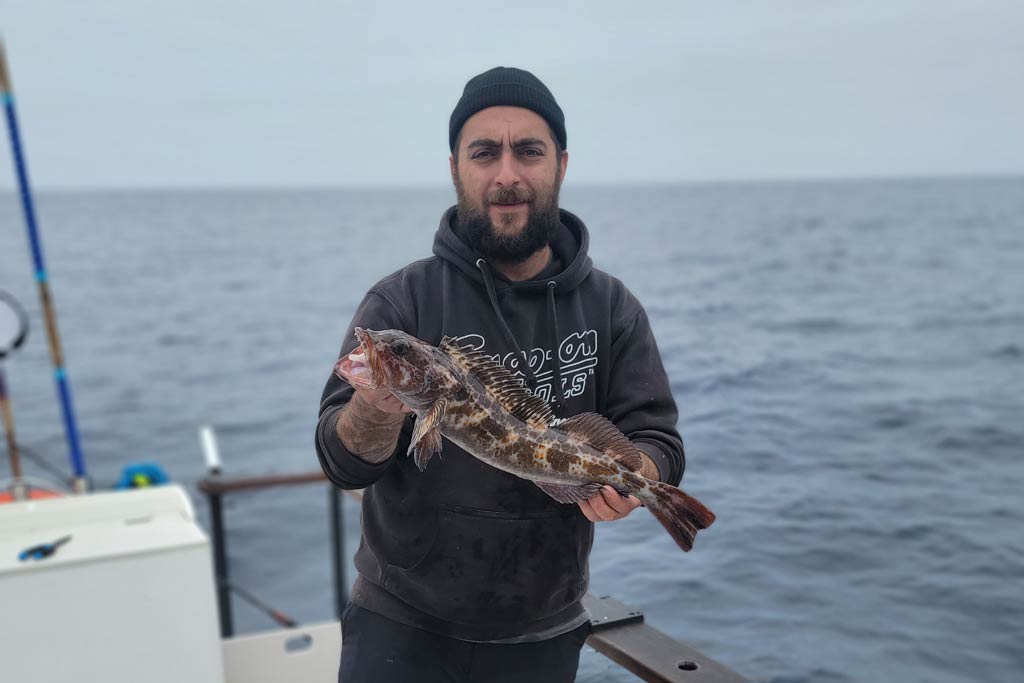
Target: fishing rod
<point>80,479</point>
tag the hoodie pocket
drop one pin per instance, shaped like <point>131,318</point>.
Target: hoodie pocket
<point>496,568</point>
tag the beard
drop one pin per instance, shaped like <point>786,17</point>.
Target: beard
<point>542,222</point>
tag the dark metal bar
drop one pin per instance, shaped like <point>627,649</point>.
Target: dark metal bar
<point>220,485</point>
<point>220,565</point>
<point>649,653</point>
<point>336,513</point>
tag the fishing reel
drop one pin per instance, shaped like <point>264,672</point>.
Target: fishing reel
<point>13,324</point>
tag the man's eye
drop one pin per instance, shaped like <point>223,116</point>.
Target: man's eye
<point>482,153</point>
<point>400,348</point>
<point>532,153</point>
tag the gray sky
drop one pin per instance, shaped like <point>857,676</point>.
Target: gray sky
<point>126,93</point>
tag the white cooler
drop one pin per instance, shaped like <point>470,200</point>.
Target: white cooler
<point>129,598</point>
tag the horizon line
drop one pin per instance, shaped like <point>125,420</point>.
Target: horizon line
<point>600,184</point>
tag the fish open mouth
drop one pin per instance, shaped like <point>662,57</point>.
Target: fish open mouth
<point>357,368</point>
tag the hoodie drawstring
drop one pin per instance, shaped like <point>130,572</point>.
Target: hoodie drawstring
<point>556,348</point>
<point>510,339</point>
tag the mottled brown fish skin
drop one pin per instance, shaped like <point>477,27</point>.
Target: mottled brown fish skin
<point>480,425</point>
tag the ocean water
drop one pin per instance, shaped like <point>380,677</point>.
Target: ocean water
<point>848,359</point>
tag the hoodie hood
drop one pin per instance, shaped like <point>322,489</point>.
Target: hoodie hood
<point>570,246</point>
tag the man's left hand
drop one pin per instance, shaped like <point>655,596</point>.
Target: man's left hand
<point>608,505</point>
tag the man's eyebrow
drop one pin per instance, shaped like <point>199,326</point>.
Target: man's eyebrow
<point>483,142</point>
<point>518,144</point>
<point>530,142</point>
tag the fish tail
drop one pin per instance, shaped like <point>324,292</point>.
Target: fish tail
<point>681,515</point>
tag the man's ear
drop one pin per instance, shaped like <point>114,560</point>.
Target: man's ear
<point>564,164</point>
<point>451,166</point>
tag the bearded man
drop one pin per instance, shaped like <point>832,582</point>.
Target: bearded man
<point>467,573</point>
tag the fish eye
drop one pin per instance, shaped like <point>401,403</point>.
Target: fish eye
<point>400,348</point>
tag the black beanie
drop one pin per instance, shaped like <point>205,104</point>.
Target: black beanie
<point>505,85</point>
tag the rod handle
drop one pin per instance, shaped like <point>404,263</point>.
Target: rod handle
<point>211,453</point>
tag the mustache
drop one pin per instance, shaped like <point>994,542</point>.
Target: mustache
<point>510,195</point>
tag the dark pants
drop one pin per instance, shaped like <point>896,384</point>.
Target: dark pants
<point>378,650</point>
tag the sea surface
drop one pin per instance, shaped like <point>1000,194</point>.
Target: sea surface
<point>848,360</point>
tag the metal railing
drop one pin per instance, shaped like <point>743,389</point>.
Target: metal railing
<point>619,631</point>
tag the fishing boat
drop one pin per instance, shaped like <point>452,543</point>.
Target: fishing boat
<point>126,585</point>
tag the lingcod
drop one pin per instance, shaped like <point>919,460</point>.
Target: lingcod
<point>472,400</point>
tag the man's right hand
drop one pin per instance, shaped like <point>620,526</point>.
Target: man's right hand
<point>369,424</point>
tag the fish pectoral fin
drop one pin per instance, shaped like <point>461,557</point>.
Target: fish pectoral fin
<point>568,493</point>
<point>426,435</point>
<point>425,448</point>
<point>601,433</point>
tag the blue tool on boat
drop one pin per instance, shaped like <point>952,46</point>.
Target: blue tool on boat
<point>43,550</point>
<point>56,353</point>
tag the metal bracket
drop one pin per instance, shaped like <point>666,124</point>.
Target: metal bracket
<point>606,611</point>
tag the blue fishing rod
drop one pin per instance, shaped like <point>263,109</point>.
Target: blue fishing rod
<point>80,480</point>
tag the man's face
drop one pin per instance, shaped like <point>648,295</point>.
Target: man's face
<point>507,178</point>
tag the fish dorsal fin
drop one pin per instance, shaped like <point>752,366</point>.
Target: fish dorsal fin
<point>599,432</point>
<point>501,384</point>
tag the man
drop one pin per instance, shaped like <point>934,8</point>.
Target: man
<point>467,573</point>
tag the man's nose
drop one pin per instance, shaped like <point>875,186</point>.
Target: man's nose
<point>508,171</point>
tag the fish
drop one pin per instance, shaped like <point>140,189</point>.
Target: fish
<point>475,402</point>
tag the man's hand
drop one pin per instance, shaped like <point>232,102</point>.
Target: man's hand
<point>383,400</point>
<point>608,505</point>
<point>369,424</point>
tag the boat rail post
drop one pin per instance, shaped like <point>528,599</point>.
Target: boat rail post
<point>19,489</point>
<point>336,511</point>
<point>211,454</point>
<point>12,339</point>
